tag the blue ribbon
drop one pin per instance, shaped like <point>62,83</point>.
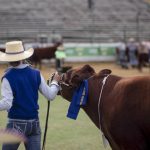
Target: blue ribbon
<point>79,98</point>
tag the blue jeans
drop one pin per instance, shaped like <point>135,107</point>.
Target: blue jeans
<point>32,131</point>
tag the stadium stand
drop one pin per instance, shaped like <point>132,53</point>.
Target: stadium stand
<point>109,20</point>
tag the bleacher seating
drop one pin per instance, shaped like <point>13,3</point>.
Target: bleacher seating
<point>110,20</point>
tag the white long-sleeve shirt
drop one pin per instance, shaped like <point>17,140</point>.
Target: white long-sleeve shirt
<point>49,92</point>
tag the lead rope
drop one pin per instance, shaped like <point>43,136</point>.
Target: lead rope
<point>105,142</point>
<point>46,123</point>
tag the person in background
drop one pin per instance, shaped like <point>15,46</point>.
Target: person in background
<point>132,49</point>
<point>143,55</point>
<point>19,90</point>
<point>122,55</point>
<point>60,56</point>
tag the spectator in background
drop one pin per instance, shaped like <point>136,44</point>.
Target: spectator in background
<point>148,47</point>
<point>143,55</point>
<point>132,49</point>
<point>60,56</point>
<point>122,55</point>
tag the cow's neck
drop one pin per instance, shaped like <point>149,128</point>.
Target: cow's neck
<point>91,108</point>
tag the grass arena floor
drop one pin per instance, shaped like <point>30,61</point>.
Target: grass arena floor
<point>66,134</point>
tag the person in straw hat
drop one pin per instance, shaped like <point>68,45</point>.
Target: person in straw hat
<point>19,90</point>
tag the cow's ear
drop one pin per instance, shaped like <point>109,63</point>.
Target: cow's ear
<point>105,72</point>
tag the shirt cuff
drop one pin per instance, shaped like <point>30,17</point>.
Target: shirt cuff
<point>54,82</point>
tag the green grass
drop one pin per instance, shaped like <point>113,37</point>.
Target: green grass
<point>64,133</point>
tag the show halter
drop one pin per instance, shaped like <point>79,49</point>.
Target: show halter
<point>105,142</point>
<point>100,95</point>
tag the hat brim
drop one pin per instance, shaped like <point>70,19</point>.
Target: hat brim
<point>4,57</point>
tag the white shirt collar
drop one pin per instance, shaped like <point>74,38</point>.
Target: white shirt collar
<point>20,66</point>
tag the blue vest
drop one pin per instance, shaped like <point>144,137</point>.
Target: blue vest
<point>24,84</point>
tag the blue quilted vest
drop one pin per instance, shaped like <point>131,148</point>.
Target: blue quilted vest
<point>24,84</point>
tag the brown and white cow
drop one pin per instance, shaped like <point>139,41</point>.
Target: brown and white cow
<point>124,105</point>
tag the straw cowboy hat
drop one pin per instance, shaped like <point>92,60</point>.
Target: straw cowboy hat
<point>15,52</point>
